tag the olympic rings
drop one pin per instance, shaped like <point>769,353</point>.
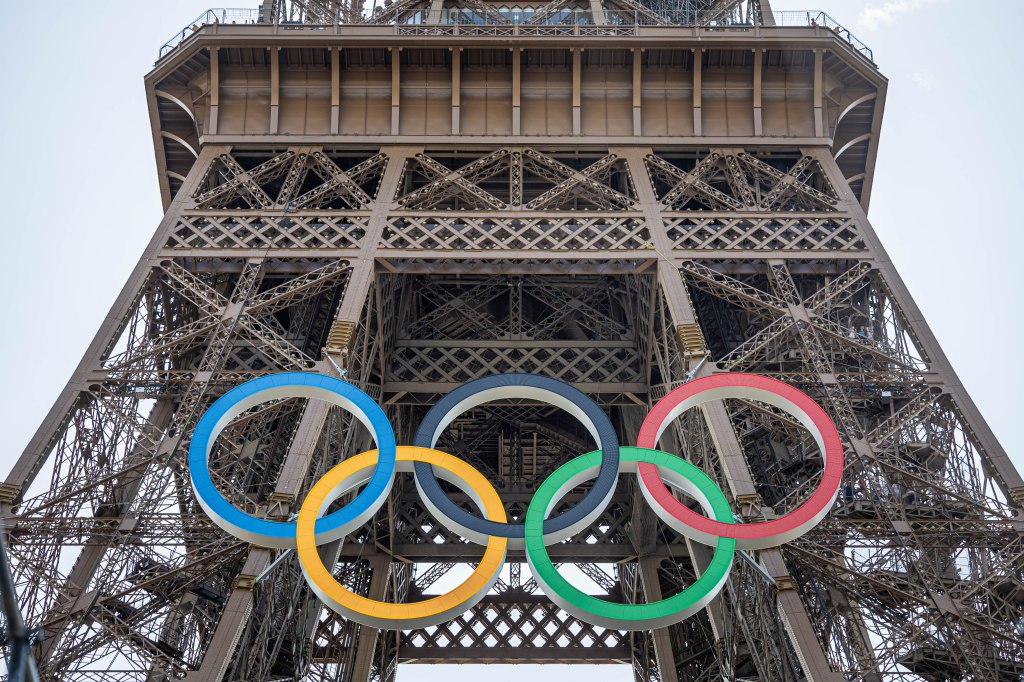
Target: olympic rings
<point>750,387</point>
<point>653,469</point>
<point>595,610</point>
<point>536,387</point>
<point>382,615</point>
<point>281,534</point>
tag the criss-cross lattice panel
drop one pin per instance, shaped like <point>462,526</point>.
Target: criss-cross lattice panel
<point>719,181</point>
<point>206,231</point>
<point>482,233</point>
<point>573,365</point>
<point>518,627</point>
<point>514,179</point>
<point>290,180</point>
<point>777,233</point>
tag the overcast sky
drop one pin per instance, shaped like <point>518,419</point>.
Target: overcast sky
<point>79,185</point>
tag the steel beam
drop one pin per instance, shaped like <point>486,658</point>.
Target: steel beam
<point>558,253</point>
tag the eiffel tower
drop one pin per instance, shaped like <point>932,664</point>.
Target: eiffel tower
<point>620,194</point>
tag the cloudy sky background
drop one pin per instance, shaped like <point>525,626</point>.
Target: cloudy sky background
<point>79,185</point>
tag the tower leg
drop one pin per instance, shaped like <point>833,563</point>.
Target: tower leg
<point>809,650</point>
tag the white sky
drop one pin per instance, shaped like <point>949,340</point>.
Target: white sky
<point>79,183</point>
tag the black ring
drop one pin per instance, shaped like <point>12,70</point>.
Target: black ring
<point>456,402</point>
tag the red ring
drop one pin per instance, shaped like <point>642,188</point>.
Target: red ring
<point>748,535</point>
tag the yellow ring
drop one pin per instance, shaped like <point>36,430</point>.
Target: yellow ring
<point>387,615</point>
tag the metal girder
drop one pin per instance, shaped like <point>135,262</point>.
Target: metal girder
<point>338,183</point>
<point>270,258</point>
<point>568,185</point>
<point>227,183</point>
<point>744,182</point>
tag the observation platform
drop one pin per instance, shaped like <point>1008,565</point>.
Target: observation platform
<point>565,78</point>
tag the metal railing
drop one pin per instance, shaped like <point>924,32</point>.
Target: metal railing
<point>514,22</point>
<point>212,16</point>
<point>819,18</point>
<point>569,15</point>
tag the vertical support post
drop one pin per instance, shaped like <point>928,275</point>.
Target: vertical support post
<point>396,88</point>
<point>434,13</point>
<point>736,471</point>
<point>456,87</point>
<point>362,269</point>
<point>365,647</point>
<point>597,13</point>
<point>517,90</point>
<point>637,90</point>
<point>758,59</point>
<point>642,533</point>
<point>239,606</point>
<point>77,600</point>
<point>269,15</point>
<point>577,67</point>
<point>275,88</point>
<point>214,89</point>
<point>698,67</point>
<point>662,641</point>
<point>730,452</point>
<point>819,121</point>
<point>335,90</point>
<point>232,620</point>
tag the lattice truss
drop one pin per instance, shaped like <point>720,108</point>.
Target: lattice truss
<point>921,540</point>
<point>515,200</point>
<point>740,182</point>
<point>581,331</point>
<point>516,179</point>
<point>707,12</point>
<point>312,11</point>
<point>291,633</point>
<point>292,180</point>
<point>154,572</point>
<point>649,12</point>
<point>772,202</point>
<point>266,265</point>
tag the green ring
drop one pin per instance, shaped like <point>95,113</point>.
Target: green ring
<point>595,610</point>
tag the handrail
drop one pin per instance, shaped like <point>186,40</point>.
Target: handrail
<point>212,16</point>
<point>823,19</point>
<point>567,21</point>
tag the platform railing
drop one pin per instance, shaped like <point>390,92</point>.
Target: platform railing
<point>823,19</point>
<point>514,22</point>
<point>212,16</point>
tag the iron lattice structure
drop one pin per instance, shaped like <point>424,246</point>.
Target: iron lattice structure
<point>603,196</point>
<point>690,12</point>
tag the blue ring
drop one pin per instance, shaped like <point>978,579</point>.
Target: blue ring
<point>282,533</point>
<point>598,495</point>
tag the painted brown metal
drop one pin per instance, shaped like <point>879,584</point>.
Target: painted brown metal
<point>622,203</point>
